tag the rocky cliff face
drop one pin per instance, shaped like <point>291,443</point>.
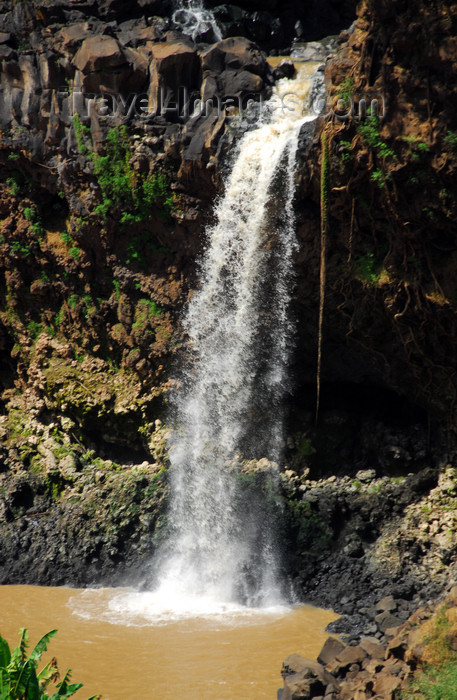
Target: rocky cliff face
<point>391,207</point>
<point>108,172</point>
<point>100,220</point>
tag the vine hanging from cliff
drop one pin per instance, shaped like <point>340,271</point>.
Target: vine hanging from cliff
<point>325,188</point>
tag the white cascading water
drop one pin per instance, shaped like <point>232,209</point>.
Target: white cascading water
<point>194,20</point>
<point>220,546</point>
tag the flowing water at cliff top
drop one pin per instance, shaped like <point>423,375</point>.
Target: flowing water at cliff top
<point>194,20</point>
<point>109,637</point>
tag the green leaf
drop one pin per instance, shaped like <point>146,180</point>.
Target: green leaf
<point>31,687</point>
<point>41,646</point>
<point>72,688</point>
<point>5,685</point>
<point>23,643</point>
<point>47,674</point>
<point>26,680</point>
<point>5,653</point>
<point>65,689</point>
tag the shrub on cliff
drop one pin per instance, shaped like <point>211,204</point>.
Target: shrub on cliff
<point>19,678</point>
<point>134,194</point>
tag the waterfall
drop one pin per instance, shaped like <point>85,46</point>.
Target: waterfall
<point>227,407</point>
<point>194,20</point>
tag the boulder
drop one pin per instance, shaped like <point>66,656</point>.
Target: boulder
<point>372,647</point>
<point>98,53</point>
<point>344,659</point>
<point>386,620</point>
<point>202,137</point>
<point>285,69</point>
<point>235,53</point>
<point>70,37</point>
<point>175,65</point>
<point>387,604</point>
<point>239,83</point>
<point>304,678</point>
<point>332,647</point>
<point>106,67</point>
<point>385,685</point>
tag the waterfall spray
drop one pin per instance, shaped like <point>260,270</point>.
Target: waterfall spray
<point>228,406</point>
<point>194,20</point>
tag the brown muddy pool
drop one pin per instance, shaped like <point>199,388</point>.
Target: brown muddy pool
<point>128,645</point>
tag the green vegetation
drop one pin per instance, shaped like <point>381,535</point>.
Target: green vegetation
<point>17,248</point>
<point>369,129</point>
<point>379,178</point>
<point>82,134</point>
<point>312,532</point>
<point>30,214</point>
<point>345,148</point>
<point>58,319</point>
<point>437,680</point>
<point>419,149</point>
<point>90,305</point>
<point>345,92</point>
<point>14,184</point>
<point>429,213</point>
<point>145,310</point>
<point>117,289</point>
<point>397,479</point>
<point>66,238</point>
<point>450,141</point>
<point>34,329</point>
<point>435,684</point>
<point>422,149</point>
<point>437,648</point>
<point>305,447</point>
<point>368,269</point>
<point>73,249</point>
<point>19,678</point>
<point>138,247</point>
<point>33,216</point>
<point>121,187</point>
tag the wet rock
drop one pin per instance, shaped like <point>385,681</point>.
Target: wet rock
<point>284,69</point>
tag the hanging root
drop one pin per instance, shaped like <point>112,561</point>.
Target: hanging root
<point>325,188</point>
